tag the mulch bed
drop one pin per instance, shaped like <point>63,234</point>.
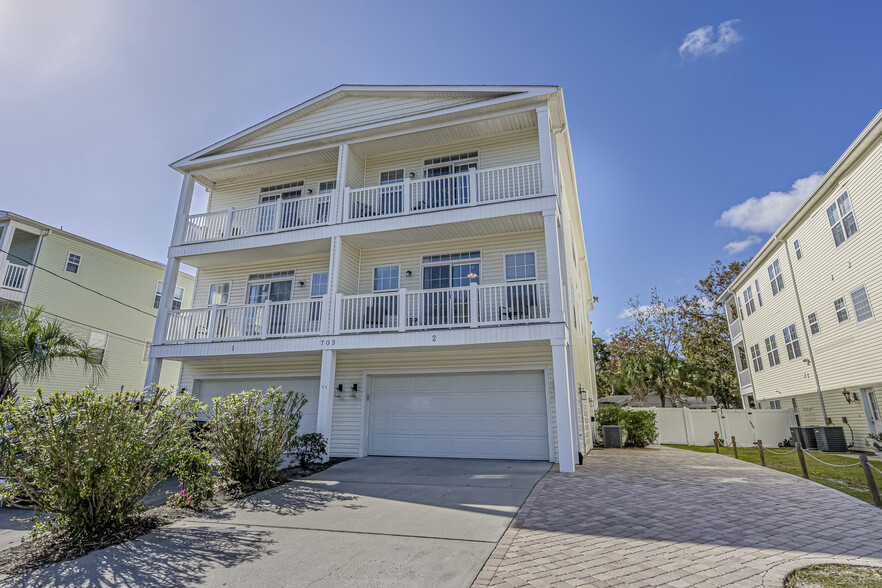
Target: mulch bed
<point>50,548</point>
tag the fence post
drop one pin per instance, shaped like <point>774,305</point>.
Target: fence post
<point>871,481</point>
<point>759,445</point>
<point>717,441</point>
<point>734,447</point>
<point>804,467</point>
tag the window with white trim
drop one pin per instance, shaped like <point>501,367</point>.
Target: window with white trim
<point>749,304</point>
<point>772,351</point>
<point>392,176</point>
<point>860,302</point>
<point>791,341</point>
<point>385,278</point>
<point>73,263</point>
<point>176,301</point>
<point>841,309</point>
<point>774,403</point>
<point>98,342</point>
<point>814,327</point>
<point>841,217</point>
<point>775,277</point>
<point>756,356</point>
<point>319,285</point>
<point>146,355</point>
<point>797,249</point>
<point>759,297</point>
<point>219,293</point>
<point>874,404</point>
<point>520,266</point>
<point>329,186</point>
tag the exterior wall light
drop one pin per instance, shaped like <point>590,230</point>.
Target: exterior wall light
<point>353,392</point>
<point>847,395</point>
<point>299,284</point>
<point>408,273</point>
<point>412,175</point>
<point>309,190</point>
<point>338,393</point>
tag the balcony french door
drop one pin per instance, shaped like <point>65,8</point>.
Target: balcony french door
<point>278,291</point>
<point>446,306</point>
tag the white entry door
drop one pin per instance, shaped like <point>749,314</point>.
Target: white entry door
<point>482,415</point>
<point>205,390</point>
<point>871,410</point>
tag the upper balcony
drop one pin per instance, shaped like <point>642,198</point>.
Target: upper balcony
<point>293,198</point>
<point>17,266</point>
<point>15,280</point>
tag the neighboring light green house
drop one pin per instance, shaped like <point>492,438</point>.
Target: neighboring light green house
<point>67,274</point>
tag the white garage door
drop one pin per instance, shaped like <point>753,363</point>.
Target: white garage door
<point>491,415</point>
<point>208,389</point>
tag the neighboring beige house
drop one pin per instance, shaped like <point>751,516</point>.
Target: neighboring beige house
<point>44,266</point>
<point>409,257</point>
<point>802,314</point>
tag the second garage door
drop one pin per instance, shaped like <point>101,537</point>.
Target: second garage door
<point>488,415</point>
<point>208,389</point>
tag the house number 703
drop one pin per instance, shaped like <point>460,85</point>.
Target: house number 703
<point>328,342</point>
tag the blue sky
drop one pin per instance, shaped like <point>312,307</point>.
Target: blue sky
<point>96,98</point>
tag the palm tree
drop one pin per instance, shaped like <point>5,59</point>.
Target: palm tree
<point>30,348</point>
<point>634,377</point>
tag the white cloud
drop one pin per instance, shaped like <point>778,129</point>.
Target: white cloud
<point>765,214</point>
<point>739,246</point>
<point>703,41</point>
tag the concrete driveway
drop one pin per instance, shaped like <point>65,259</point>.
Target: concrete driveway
<point>365,522</point>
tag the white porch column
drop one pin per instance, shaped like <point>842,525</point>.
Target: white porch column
<point>172,266</point>
<point>184,202</point>
<point>333,280</point>
<point>337,204</point>
<point>546,153</point>
<point>563,409</point>
<point>169,281</point>
<point>326,393</point>
<point>555,269</point>
<point>5,242</point>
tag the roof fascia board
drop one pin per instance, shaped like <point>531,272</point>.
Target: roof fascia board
<point>196,167</point>
<point>191,159</point>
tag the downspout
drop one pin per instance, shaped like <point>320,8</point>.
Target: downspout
<point>804,329</point>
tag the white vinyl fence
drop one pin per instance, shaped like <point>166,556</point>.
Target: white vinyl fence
<point>684,426</point>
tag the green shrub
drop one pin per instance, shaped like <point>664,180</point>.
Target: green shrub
<point>249,432</point>
<point>83,461</point>
<point>193,469</point>
<point>640,428</point>
<point>309,448</point>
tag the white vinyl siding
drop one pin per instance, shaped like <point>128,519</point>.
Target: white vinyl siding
<point>243,193</point>
<point>860,302</point>
<point>791,340</point>
<point>775,277</point>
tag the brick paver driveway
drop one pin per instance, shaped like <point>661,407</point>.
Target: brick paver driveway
<point>678,518</point>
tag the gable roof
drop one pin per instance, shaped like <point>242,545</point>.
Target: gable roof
<point>346,109</point>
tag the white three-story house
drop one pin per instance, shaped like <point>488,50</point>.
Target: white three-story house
<point>411,258</point>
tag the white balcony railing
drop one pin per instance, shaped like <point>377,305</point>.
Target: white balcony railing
<point>438,193</point>
<point>247,321</point>
<point>15,276</point>
<point>470,306</point>
<point>281,215</point>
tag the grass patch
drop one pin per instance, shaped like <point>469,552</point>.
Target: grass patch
<point>834,576</point>
<point>851,480</point>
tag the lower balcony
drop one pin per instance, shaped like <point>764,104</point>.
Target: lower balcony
<point>247,321</point>
<point>470,306</point>
<point>15,281</point>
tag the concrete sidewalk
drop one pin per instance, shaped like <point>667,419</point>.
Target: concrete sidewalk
<point>365,522</point>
